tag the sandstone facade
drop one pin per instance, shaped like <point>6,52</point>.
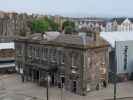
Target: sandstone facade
<point>79,67</point>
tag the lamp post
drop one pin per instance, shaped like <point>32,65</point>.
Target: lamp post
<point>115,73</point>
<point>115,82</point>
<point>48,79</point>
<point>61,87</point>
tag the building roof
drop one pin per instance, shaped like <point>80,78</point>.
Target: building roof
<point>131,19</point>
<point>77,41</point>
<point>9,45</point>
<point>111,37</point>
<point>67,40</point>
<point>48,35</point>
<point>7,65</point>
<point>119,20</point>
<point>7,59</point>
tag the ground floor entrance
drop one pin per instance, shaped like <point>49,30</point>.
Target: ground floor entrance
<point>40,76</point>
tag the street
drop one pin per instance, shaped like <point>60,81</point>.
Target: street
<point>11,88</point>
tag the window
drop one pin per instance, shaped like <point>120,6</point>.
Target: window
<point>53,55</point>
<point>73,61</point>
<point>45,53</point>
<point>74,71</point>
<point>125,57</point>
<point>34,52</point>
<point>29,51</point>
<point>38,52</point>
<point>19,50</point>
<point>73,67</point>
<point>61,57</point>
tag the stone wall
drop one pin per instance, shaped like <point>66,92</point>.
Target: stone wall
<point>97,68</point>
<point>74,70</point>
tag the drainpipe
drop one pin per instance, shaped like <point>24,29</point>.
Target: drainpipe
<point>115,74</point>
<point>83,37</point>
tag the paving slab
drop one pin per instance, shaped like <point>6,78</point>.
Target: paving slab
<point>11,88</point>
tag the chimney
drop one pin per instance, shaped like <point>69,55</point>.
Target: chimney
<point>42,35</point>
<point>96,36</point>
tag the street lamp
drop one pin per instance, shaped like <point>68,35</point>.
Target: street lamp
<point>115,73</point>
<point>48,79</point>
<point>61,86</point>
<point>114,82</point>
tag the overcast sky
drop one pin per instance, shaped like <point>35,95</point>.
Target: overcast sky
<point>105,8</point>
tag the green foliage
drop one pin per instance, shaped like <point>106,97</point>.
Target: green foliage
<point>39,26</point>
<point>68,23</point>
<point>44,24</point>
<point>53,26</point>
<point>68,27</point>
<point>68,30</point>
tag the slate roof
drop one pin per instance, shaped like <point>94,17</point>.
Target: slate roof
<point>131,19</point>
<point>119,20</point>
<point>68,40</point>
<point>79,41</point>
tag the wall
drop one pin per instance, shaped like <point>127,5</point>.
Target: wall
<point>97,67</point>
<point>14,24</point>
<point>120,47</point>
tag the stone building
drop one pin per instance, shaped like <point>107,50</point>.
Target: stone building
<point>14,24</point>
<point>78,62</point>
<point>119,25</point>
<point>89,22</point>
<point>120,55</point>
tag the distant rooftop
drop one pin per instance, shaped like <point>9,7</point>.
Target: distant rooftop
<point>111,37</point>
<point>9,45</point>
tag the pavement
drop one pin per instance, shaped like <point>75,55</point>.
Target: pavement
<point>11,88</point>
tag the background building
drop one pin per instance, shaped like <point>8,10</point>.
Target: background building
<point>120,25</point>
<point>89,22</point>
<point>7,57</point>
<point>122,44</point>
<point>12,24</point>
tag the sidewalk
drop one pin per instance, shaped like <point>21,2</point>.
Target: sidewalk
<point>12,87</point>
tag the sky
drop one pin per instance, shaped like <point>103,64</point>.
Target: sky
<point>105,8</point>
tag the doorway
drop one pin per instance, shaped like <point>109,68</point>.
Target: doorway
<point>74,86</point>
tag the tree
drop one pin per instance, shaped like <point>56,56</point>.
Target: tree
<point>68,23</point>
<point>44,24</point>
<point>39,25</point>
<point>53,26</point>
<point>68,30</point>
<point>68,27</point>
